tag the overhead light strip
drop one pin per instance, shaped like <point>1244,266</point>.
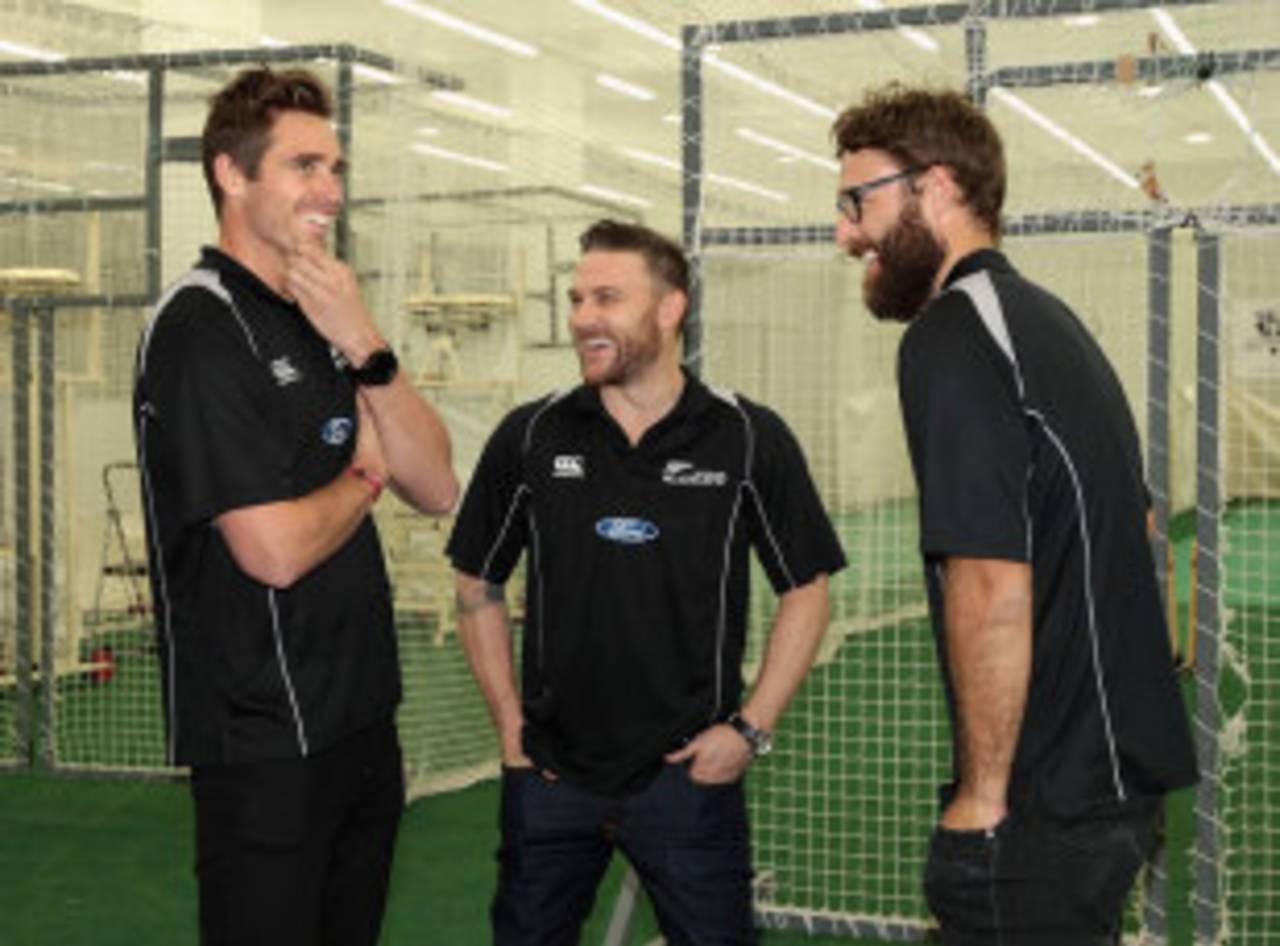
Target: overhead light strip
<point>1184,45</point>
<point>789,150</point>
<point>473,30</point>
<point>652,33</point>
<point>457,157</point>
<point>623,87</point>
<point>471,104</point>
<point>30,52</point>
<point>911,34</point>
<point>724,180</point>
<point>616,196</point>
<point>1053,128</point>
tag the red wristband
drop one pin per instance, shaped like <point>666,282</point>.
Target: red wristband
<point>373,481</point>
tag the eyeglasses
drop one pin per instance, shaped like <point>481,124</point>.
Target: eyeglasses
<point>849,202</point>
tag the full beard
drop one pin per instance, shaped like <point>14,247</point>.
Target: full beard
<point>909,258</point>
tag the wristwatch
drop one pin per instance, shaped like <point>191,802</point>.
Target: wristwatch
<point>378,369</point>
<point>761,742</point>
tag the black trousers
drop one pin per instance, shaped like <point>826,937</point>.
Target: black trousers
<point>1037,881</point>
<point>298,852</point>
<point>688,843</point>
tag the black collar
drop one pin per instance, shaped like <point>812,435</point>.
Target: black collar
<point>693,400</point>
<point>977,261</point>
<point>211,257</point>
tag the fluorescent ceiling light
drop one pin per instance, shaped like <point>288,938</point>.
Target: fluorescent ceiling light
<point>622,87</point>
<point>616,196</point>
<point>458,157</point>
<point>770,88</point>
<point>471,104</point>
<point>374,73</point>
<point>648,157</point>
<point>724,180</point>
<point>1070,140</point>
<point>30,52</point>
<point>637,26</point>
<point>738,184</point>
<point>1084,20</point>
<point>1197,138</point>
<point>427,130</point>
<point>790,151</point>
<point>113,167</point>
<point>650,32</point>
<point>911,34</point>
<point>272,41</point>
<point>1173,31</point>
<point>37,184</point>
<point>466,27</point>
<point>1150,91</point>
<point>672,118</point>
<point>1217,89</point>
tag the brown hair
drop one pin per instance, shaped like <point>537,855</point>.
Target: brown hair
<point>920,127</point>
<point>664,259</point>
<point>242,112</point>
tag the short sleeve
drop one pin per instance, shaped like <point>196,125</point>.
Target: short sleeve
<point>968,437</point>
<point>791,531</point>
<point>209,402</point>
<point>489,533</point>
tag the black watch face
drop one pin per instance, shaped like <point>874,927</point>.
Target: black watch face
<point>380,368</point>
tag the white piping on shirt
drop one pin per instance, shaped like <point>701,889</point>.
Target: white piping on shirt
<point>1095,645</point>
<point>284,671</point>
<point>162,580</point>
<point>210,281</point>
<point>981,292</point>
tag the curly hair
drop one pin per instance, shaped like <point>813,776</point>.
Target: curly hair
<point>242,112</point>
<point>921,127</point>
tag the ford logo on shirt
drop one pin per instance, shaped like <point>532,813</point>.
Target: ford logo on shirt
<point>626,529</point>
<point>337,431</point>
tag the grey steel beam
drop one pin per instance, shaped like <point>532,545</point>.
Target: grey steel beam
<point>938,14</point>
<point>1159,275</point>
<point>1207,854</point>
<point>60,205</point>
<point>46,331</point>
<point>344,88</point>
<point>20,340</point>
<point>253,55</point>
<point>691,193</point>
<point>152,177</point>
<point>1199,67</point>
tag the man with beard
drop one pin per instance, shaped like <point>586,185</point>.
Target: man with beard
<point>1068,724</point>
<point>638,494</point>
<point>269,416</point>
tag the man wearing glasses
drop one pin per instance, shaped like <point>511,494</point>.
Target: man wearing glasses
<point>1068,725</point>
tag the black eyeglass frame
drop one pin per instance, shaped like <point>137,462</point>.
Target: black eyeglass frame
<point>849,202</point>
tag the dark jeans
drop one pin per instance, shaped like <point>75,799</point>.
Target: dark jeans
<point>688,843</point>
<point>298,852</point>
<point>1036,881</point>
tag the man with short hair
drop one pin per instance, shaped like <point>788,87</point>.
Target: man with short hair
<point>1068,723</point>
<point>269,416</point>
<point>638,495</point>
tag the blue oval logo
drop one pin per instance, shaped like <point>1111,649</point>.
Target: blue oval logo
<point>627,530</point>
<point>337,431</point>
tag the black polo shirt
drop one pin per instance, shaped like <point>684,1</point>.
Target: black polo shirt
<point>239,401</point>
<point>637,580</point>
<point>1024,449</point>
